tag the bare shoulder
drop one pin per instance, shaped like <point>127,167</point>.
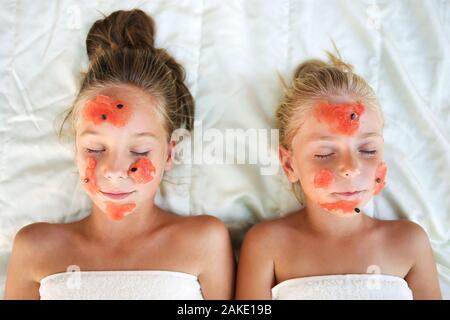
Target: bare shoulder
<point>205,227</point>
<point>410,242</point>
<point>274,227</point>
<point>201,229</point>
<point>405,235</point>
<point>270,233</point>
<point>404,230</point>
<point>46,237</point>
<point>36,246</point>
<point>40,235</point>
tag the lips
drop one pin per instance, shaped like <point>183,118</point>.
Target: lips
<point>117,195</point>
<point>348,194</point>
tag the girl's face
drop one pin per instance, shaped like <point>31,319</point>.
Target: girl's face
<point>337,155</point>
<point>121,149</point>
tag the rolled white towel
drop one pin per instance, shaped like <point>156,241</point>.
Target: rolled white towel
<point>342,287</point>
<point>112,285</point>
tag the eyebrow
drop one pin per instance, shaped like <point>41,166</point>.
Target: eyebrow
<point>361,136</point>
<point>139,134</point>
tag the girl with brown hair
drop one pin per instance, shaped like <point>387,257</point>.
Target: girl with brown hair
<point>131,100</point>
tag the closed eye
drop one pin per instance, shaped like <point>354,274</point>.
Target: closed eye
<point>323,156</point>
<point>140,153</point>
<point>134,153</point>
<point>370,152</point>
<point>94,151</point>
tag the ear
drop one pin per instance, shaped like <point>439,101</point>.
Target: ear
<point>75,154</point>
<point>170,154</point>
<point>286,160</point>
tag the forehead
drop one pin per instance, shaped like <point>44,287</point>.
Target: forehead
<point>312,128</point>
<point>144,113</point>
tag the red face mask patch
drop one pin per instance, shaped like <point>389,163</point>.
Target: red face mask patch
<point>341,118</point>
<point>89,179</point>
<point>380,177</point>
<point>323,179</point>
<point>103,109</point>
<point>117,211</point>
<point>345,206</point>
<point>142,171</point>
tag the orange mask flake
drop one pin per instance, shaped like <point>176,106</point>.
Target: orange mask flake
<point>323,179</point>
<point>380,177</point>
<point>103,109</point>
<point>142,171</point>
<point>89,179</point>
<point>345,206</point>
<point>341,118</point>
<point>117,211</point>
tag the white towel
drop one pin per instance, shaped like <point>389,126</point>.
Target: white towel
<point>342,287</point>
<point>115,285</point>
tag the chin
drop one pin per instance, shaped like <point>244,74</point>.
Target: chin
<point>340,213</point>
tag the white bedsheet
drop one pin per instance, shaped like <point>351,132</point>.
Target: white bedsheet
<point>232,51</point>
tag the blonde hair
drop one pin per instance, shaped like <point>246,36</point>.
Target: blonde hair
<point>316,80</point>
<point>121,51</point>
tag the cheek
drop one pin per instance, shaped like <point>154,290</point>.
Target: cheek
<point>323,179</point>
<point>342,118</point>
<point>142,171</point>
<point>103,109</point>
<point>118,211</point>
<point>89,176</point>
<point>380,177</point>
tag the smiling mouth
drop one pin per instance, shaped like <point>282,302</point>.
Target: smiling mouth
<point>348,193</point>
<point>117,196</point>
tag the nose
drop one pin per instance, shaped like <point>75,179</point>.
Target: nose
<point>349,167</point>
<point>115,168</point>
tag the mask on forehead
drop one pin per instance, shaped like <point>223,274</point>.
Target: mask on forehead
<point>103,109</point>
<point>340,118</point>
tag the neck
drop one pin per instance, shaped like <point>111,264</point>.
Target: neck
<point>100,226</point>
<point>322,221</point>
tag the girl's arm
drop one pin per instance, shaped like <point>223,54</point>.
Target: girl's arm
<point>19,281</point>
<point>422,278</point>
<point>256,274</point>
<point>217,277</point>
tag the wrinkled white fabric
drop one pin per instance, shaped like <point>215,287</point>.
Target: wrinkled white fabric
<point>343,287</point>
<point>233,52</point>
<point>120,285</point>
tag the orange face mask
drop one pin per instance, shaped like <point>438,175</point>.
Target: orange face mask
<point>117,211</point>
<point>323,179</point>
<point>89,178</point>
<point>142,171</point>
<point>380,178</point>
<point>341,118</point>
<point>103,109</point>
<point>344,206</point>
